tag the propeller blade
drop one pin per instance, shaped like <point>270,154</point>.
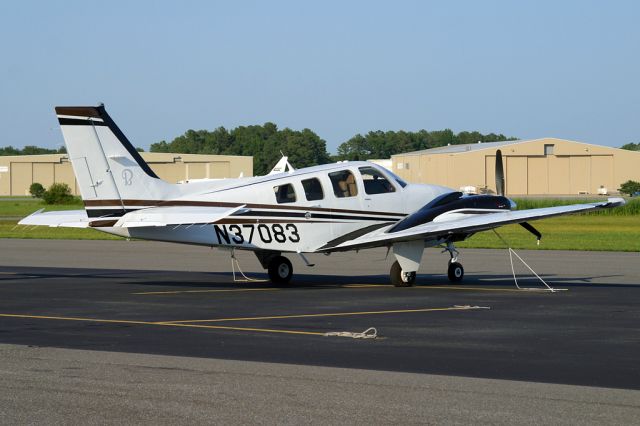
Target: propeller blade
<point>530,228</point>
<point>499,173</point>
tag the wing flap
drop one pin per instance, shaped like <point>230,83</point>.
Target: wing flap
<point>54,219</point>
<point>175,215</point>
<point>472,224</point>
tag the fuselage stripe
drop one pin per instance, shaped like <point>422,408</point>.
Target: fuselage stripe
<point>171,203</point>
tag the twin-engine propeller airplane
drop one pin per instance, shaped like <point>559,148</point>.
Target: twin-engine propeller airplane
<point>321,209</point>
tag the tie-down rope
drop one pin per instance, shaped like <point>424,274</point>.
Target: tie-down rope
<point>512,253</point>
<point>234,264</point>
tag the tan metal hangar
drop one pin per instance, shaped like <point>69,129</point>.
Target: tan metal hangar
<point>18,172</point>
<point>547,166</point>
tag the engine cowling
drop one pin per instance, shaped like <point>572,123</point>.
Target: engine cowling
<point>452,201</point>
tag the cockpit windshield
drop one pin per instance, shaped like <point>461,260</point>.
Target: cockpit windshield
<point>397,178</point>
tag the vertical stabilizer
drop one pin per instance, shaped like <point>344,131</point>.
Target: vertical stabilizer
<point>108,168</point>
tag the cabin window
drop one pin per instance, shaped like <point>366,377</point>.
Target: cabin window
<point>285,193</point>
<point>312,189</point>
<point>375,182</point>
<point>344,184</point>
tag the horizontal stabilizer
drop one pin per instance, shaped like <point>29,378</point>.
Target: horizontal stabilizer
<point>175,215</point>
<point>65,219</point>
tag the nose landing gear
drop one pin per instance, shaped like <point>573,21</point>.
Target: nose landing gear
<point>455,271</point>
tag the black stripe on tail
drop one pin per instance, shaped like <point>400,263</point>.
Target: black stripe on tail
<point>100,112</point>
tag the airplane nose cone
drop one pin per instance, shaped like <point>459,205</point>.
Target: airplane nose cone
<point>513,204</point>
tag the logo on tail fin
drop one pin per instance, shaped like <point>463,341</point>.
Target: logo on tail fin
<point>127,176</point>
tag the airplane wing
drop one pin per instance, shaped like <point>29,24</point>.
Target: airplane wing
<point>466,225</point>
<point>175,215</point>
<point>54,219</point>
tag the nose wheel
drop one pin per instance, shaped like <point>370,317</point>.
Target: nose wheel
<point>455,272</point>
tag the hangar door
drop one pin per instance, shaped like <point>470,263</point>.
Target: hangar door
<point>579,167</point>
<point>21,178</point>
<point>602,173</point>
<point>537,175</point>
<point>516,175</point>
<point>559,175</point>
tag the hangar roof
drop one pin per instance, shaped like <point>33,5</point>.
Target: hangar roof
<point>452,149</point>
<point>471,147</point>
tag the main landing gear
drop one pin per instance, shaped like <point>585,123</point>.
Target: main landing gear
<point>280,270</point>
<point>400,278</point>
<point>278,267</point>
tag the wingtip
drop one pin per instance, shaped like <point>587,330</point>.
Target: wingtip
<point>615,202</point>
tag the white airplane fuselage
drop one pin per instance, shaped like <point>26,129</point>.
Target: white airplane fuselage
<point>300,226</point>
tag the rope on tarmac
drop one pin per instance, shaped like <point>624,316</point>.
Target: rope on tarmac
<point>369,333</point>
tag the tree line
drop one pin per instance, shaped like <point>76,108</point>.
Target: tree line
<point>31,150</point>
<point>631,146</point>
<point>265,143</point>
<point>305,148</point>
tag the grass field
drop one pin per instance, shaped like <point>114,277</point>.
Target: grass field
<point>610,230</point>
<point>578,232</point>
<point>21,207</point>
<point>10,229</point>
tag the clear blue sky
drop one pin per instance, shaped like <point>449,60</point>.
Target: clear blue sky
<point>569,69</point>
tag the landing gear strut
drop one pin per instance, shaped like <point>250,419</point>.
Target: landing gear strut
<point>455,271</point>
<point>399,278</point>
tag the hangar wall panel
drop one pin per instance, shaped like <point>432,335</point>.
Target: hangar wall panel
<point>170,172</point>
<point>63,172</point>
<point>21,178</point>
<point>579,167</point>
<point>516,175</point>
<point>490,173</point>
<point>219,169</point>
<point>537,175</point>
<point>559,175</point>
<point>463,172</point>
<point>601,172</point>
<point>44,174</point>
<point>197,171</point>
<point>414,168</point>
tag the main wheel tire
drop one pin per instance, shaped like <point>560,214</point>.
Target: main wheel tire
<point>396,276</point>
<point>455,272</point>
<point>280,270</point>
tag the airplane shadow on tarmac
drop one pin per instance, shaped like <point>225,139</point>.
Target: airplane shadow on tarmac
<point>213,280</point>
<point>225,280</point>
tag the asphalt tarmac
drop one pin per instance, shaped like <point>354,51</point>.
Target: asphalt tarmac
<point>128,298</point>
